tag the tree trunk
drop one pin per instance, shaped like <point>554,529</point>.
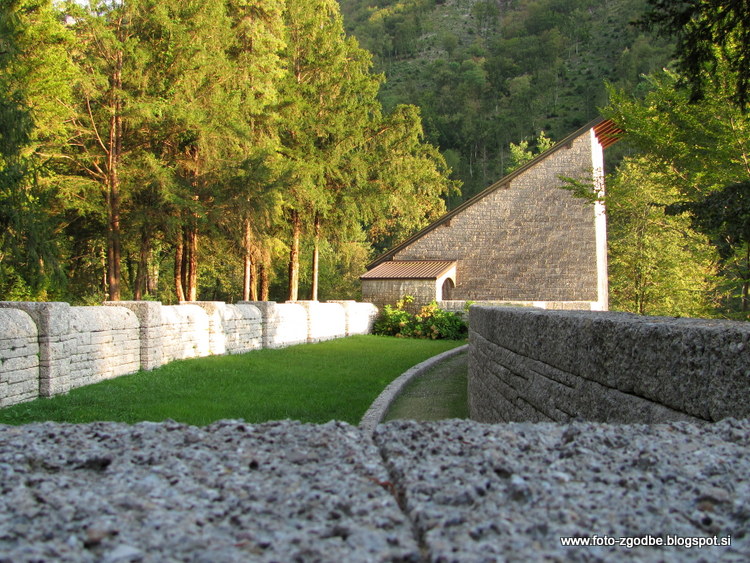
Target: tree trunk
<point>114,251</point>
<point>141,277</point>
<point>178,273</point>
<point>264,282</point>
<point>316,258</point>
<point>294,257</point>
<point>191,252</point>
<point>265,265</point>
<point>249,285</point>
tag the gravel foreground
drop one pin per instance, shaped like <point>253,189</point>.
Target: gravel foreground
<point>438,491</point>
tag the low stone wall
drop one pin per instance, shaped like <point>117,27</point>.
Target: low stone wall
<point>283,324</point>
<point>19,358</point>
<point>532,365</point>
<point>76,346</point>
<point>325,321</point>
<point>106,344</point>
<point>50,348</point>
<point>360,317</point>
<point>185,332</point>
<point>459,306</point>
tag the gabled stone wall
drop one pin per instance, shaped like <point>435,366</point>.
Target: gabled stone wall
<point>528,239</point>
<point>51,348</point>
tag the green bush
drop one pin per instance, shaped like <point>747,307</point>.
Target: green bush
<point>431,322</point>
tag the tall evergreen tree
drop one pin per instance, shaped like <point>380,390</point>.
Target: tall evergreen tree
<point>700,149</point>
<point>710,34</point>
<point>258,31</point>
<point>104,116</point>
<point>35,73</point>
<point>329,101</point>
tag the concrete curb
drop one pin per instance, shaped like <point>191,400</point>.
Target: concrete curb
<point>379,406</point>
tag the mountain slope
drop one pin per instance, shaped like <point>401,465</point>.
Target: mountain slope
<point>490,72</point>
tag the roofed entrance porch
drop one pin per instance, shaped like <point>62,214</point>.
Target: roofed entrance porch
<point>425,280</point>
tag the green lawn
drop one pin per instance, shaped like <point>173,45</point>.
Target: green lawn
<point>436,395</point>
<point>337,379</point>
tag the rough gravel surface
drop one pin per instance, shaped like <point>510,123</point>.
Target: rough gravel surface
<point>170,492</point>
<point>509,492</point>
<point>439,491</point>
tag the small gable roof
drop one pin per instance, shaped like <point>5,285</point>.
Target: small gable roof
<point>606,132</point>
<point>409,270</point>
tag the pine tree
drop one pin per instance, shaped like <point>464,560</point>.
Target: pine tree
<point>35,73</point>
<point>699,148</point>
<point>103,120</point>
<point>329,99</point>
<point>258,31</point>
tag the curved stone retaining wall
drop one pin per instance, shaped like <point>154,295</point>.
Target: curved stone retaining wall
<point>50,348</point>
<point>532,365</point>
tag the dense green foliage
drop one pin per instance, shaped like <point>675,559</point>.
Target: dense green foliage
<point>486,74</point>
<point>181,150</point>
<point>709,35</point>
<point>310,383</point>
<point>657,264</point>
<point>178,149</point>
<point>430,322</point>
<point>696,154</point>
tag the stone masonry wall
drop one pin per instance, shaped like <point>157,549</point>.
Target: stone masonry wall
<point>106,345</point>
<point>51,348</point>
<point>386,292</point>
<point>359,317</point>
<point>539,366</point>
<point>529,242</point>
<point>186,332</point>
<point>19,358</point>
<point>283,324</point>
<point>325,321</point>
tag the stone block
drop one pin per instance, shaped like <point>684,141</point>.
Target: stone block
<point>607,367</point>
<point>360,317</point>
<point>19,357</point>
<point>284,324</point>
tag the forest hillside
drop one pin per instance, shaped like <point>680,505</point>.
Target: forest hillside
<point>488,73</point>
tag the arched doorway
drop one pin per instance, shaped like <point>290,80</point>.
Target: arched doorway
<point>447,289</point>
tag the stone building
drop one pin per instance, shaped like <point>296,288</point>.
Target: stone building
<point>523,240</point>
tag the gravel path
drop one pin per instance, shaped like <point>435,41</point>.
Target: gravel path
<point>439,491</point>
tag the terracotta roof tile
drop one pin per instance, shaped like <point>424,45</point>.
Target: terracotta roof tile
<point>409,269</point>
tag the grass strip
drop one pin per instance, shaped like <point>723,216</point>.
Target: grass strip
<point>437,394</point>
<point>319,382</point>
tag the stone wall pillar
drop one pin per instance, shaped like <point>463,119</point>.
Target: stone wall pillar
<point>56,343</point>
<point>151,332</point>
<point>19,358</point>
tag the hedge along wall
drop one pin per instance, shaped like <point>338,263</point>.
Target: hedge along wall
<point>533,365</point>
<point>50,348</point>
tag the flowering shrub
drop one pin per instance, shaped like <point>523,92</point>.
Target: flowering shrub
<point>431,322</point>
